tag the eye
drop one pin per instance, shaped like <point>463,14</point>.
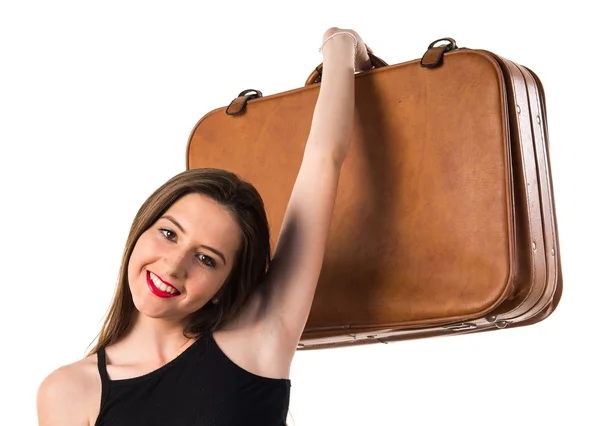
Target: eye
<point>167,233</point>
<point>207,260</point>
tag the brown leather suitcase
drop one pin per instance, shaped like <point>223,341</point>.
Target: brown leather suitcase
<point>444,222</point>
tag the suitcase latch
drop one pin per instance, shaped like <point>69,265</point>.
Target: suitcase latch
<point>462,326</point>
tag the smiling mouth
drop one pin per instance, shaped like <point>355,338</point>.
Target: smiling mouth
<point>159,287</point>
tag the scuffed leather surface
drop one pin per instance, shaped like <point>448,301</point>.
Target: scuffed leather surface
<point>431,224</point>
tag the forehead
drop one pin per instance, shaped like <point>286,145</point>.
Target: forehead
<point>206,222</point>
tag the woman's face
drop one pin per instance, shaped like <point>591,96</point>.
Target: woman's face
<point>181,261</point>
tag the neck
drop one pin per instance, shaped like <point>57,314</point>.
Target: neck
<point>157,337</point>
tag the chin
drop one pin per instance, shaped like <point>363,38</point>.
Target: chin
<point>148,304</point>
<point>154,307</point>
<point>151,310</point>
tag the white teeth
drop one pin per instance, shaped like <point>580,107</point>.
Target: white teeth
<point>160,285</point>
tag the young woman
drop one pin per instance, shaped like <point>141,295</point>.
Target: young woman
<point>204,324</point>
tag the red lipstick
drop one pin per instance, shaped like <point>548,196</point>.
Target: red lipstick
<point>157,291</point>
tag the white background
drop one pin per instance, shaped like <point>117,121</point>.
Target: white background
<point>97,101</point>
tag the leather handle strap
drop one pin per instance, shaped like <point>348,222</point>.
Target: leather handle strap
<point>315,76</point>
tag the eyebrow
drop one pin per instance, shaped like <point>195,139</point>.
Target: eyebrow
<point>215,251</point>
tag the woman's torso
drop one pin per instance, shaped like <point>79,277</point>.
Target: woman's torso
<point>201,386</point>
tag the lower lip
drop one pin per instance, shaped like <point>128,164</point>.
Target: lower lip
<point>157,291</point>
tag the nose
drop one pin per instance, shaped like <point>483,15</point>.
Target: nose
<point>175,263</point>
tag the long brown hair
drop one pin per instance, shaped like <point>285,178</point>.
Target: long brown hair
<point>251,262</point>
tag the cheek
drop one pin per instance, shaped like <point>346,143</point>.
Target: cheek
<point>204,283</point>
<point>143,252</point>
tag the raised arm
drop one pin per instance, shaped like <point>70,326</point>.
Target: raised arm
<point>298,257</point>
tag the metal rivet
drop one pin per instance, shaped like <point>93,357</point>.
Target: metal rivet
<point>501,324</point>
<point>518,109</point>
<point>300,345</point>
<point>491,318</point>
<point>552,251</point>
<point>534,246</point>
<point>538,119</point>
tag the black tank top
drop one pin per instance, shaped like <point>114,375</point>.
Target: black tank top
<point>200,387</point>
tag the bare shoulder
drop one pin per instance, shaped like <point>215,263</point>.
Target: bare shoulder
<point>70,395</point>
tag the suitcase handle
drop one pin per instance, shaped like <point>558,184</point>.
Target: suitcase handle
<point>315,76</point>
<point>431,59</point>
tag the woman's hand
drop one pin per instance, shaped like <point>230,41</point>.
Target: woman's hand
<point>362,61</point>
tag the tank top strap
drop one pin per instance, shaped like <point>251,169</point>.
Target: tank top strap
<point>105,380</point>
